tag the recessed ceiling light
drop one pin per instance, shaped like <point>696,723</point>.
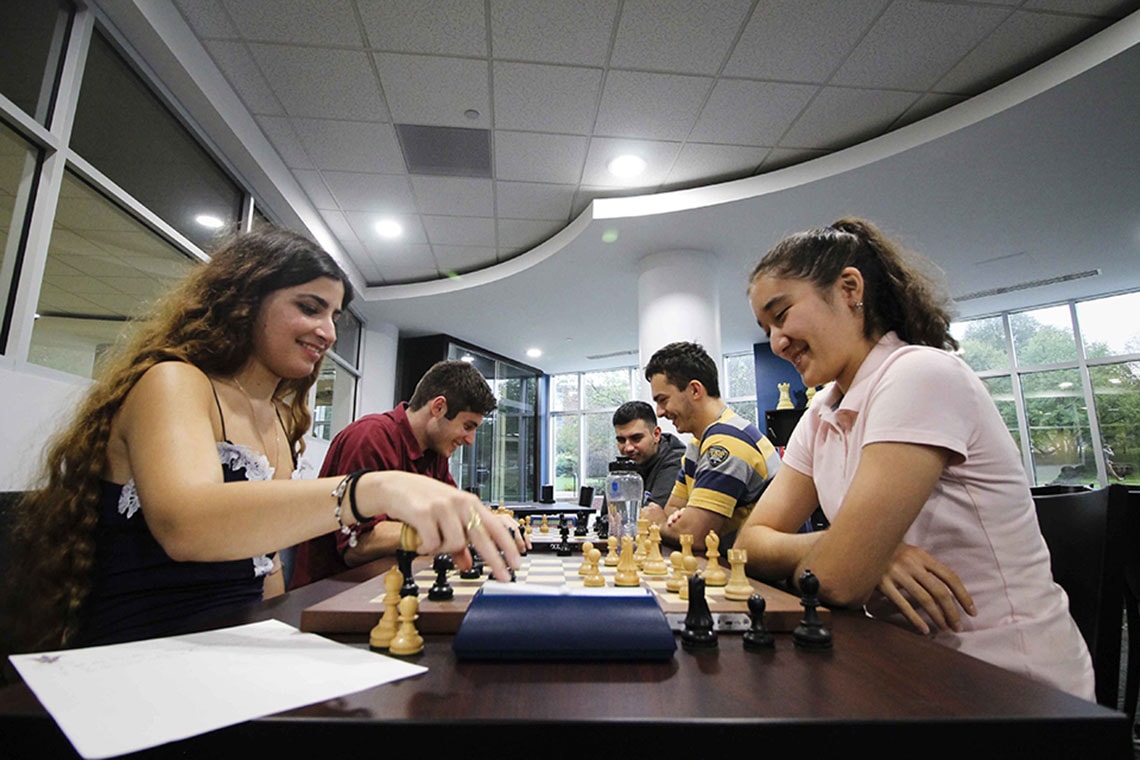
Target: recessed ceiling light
<point>467,358</point>
<point>627,166</point>
<point>609,236</point>
<point>389,229</point>
<point>534,353</point>
<point>208,221</point>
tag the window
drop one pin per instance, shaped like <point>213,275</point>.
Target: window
<point>32,35</point>
<point>738,386</point>
<point>334,401</point>
<point>103,267</point>
<point>582,444</point>
<point>1074,409</point>
<point>18,166</point>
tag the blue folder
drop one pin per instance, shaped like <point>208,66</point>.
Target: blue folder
<point>628,625</point>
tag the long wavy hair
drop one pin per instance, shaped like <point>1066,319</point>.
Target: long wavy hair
<point>206,320</point>
<point>900,292</point>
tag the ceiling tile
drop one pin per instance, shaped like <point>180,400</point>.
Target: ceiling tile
<point>318,82</point>
<point>433,90</point>
<point>377,193</point>
<point>444,27</point>
<point>244,76</point>
<point>208,18</point>
<point>741,112</point>
<point>363,223</point>
<point>536,30</point>
<point>524,234</point>
<point>284,138</point>
<point>532,200</point>
<point>914,44</point>
<point>652,106</point>
<point>454,196</point>
<point>529,157</point>
<point>294,22</point>
<point>460,230</point>
<point>701,163</point>
<point>681,36</point>
<point>774,42</point>
<point>537,98</point>
<point>314,186</point>
<point>464,258</point>
<point>350,145</point>
<point>927,105</point>
<point>842,116</point>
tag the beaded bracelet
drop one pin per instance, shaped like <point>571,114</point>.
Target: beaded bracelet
<point>338,494</point>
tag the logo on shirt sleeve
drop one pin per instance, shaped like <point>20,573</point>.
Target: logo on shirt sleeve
<point>716,455</point>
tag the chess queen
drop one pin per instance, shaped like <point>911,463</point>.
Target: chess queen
<point>932,524</point>
<point>163,502</point>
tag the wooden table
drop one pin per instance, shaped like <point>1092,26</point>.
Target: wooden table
<point>881,689</point>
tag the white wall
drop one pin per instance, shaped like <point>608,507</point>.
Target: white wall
<point>377,389</point>
<point>37,402</point>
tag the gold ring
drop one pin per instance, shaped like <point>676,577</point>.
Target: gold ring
<point>475,522</point>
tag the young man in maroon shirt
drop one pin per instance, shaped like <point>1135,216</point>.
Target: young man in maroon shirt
<point>447,406</point>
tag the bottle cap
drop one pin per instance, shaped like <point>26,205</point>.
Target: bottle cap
<point>623,464</point>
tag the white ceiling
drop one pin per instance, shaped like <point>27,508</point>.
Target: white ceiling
<point>784,114</point>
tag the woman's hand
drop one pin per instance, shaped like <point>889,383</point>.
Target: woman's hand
<point>447,520</point>
<point>913,578</point>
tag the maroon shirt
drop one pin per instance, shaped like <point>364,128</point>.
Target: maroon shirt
<point>373,442</point>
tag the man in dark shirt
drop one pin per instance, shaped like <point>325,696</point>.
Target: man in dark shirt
<point>656,454</point>
<point>419,436</point>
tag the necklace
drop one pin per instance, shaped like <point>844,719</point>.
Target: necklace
<point>257,426</point>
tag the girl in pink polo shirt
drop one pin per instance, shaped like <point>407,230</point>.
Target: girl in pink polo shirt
<point>932,521</point>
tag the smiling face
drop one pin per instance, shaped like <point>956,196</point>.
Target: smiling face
<point>637,440</point>
<point>675,404</point>
<point>296,325</point>
<point>444,436</point>
<point>820,333</point>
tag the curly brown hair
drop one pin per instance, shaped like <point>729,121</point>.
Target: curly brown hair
<point>206,320</point>
<point>898,294</point>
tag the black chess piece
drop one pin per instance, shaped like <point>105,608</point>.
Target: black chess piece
<point>757,638</point>
<point>699,631</point>
<point>404,558</point>
<point>581,522</point>
<point>476,570</point>
<point>602,527</point>
<point>563,548</point>
<point>442,591</point>
<point>810,633</point>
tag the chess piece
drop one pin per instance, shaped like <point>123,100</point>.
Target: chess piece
<point>810,633</point>
<point>382,633</point>
<point>738,588</point>
<point>810,395</point>
<point>564,533</point>
<point>714,573</point>
<point>686,546</point>
<point>699,631</point>
<point>594,577</point>
<point>654,562</point>
<point>676,564</point>
<point>612,557</point>
<point>642,550</point>
<point>441,591</point>
<point>407,640</point>
<point>584,568</point>
<point>757,637</point>
<point>602,526</point>
<point>785,401</point>
<point>405,555</point>
<point>545,527</point>
<point>627,568</point>
<point>688,570</point>
<point>524,531</point>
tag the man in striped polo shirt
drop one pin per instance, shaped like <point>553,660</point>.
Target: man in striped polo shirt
<point>727,464</point>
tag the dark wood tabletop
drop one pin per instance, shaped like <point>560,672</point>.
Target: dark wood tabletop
<point>880,688</point>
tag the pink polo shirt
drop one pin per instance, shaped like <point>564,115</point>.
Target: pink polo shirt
<point>979,521</point>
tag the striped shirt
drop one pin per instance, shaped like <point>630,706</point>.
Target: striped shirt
<point>726,469</point>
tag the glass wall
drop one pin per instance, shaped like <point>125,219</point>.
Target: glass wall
<point>32,37</point>
<point>738,385</point>
<point>1066,380</point>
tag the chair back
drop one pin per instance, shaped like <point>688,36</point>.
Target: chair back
<point>1084,532</point>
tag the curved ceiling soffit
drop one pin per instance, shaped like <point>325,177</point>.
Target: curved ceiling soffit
<point>1071,63</point>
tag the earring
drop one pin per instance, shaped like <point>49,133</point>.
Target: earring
<point>859,306</point>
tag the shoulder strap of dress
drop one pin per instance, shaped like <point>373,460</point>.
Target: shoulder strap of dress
<point>292,451</point>
<point>221,416</point>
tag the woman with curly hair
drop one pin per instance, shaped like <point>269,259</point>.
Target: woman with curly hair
<point>929,507</point>
<point>162,500</point>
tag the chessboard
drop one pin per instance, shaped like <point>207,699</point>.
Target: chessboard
<point>358,609</point>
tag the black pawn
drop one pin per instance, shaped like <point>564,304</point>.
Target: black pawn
<point>602,526</point>
<point>699,632</point>
<point>476,570</point>
<point>580,523</point>
<point>564,532</point>
<point>810,633</point>
<point>442,590</point>
<point>757,637</point>
<point>404,558</point>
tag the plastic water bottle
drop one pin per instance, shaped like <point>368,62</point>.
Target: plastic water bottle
<point>624,492</point>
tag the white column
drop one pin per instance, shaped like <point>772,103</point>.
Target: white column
<point>377,389</point>
<point>677,299</point>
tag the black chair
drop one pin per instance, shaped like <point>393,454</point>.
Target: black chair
<point>1084,531</point>
<point>1132,595</point>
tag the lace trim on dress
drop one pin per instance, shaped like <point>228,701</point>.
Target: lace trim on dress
<point>236,457</point>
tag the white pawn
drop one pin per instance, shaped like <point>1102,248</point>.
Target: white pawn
<point>408,640</point>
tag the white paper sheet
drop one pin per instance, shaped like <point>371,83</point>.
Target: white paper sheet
<point>121,698</point>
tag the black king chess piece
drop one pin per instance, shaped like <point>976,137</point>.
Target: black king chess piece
<point>810,633</point>
<point>699,631</point>
<point>757,638</point>
<point>441,591</point>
